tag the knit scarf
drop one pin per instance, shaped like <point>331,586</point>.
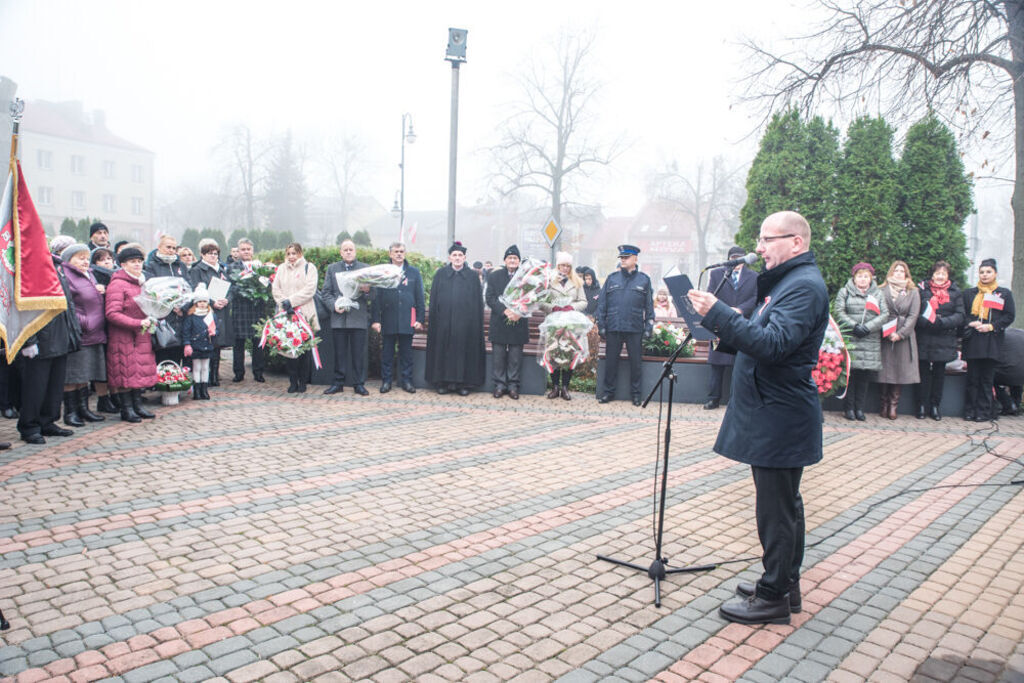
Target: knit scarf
<point>940,293</point>
<point>977,310</point>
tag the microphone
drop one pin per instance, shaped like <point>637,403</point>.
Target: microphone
<point>749,260</point>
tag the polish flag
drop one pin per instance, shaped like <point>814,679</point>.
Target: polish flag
<point>929,313</point>
<point>412,232</point>
<point>993,300</point>
<point>871,304</point>
<point>889,327</point>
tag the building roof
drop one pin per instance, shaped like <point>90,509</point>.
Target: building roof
<point>68,120</point>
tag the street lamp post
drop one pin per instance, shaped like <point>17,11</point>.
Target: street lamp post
<point>407,136</point>
<point>456,54</point>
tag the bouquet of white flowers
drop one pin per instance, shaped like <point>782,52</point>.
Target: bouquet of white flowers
<point>563,336</point>
<point>384,275</point>
<point>161,295</point>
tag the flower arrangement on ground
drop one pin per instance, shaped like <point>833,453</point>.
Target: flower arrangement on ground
<point>253,282</point>
<point>832,372</point>
<point>665,339</point>
<point>289,335</point>
<point>172,377</point>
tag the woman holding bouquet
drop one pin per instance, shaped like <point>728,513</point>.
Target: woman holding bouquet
<point>131,363</point>
<point>208,269</point>
<point>942,315</point>
<point>569,296</point>
<point>860,307</point>
<point>294,288</point>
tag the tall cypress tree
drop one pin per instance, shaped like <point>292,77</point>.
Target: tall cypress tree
<point>794,170</point>
<point>286,189</point>
<point>934,199</point>
<point>867,226</point>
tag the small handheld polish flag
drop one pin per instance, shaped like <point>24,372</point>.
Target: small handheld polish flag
<point>871,304</point>
<point>928,313</point>
<point>889,327</point>
<point>993,300</point>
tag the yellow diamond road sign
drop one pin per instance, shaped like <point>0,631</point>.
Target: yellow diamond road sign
<point>551,232</point>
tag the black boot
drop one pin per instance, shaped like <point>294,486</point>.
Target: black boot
<point>140,410</point>
<point>206,392</point>
<point>106,404</point>
<point>920,412</point>
<point>124,400</point>
<point>83,407</point>
<point>215,369</point>
<point>71,418</point>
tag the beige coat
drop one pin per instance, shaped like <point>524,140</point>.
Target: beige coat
<point>297,284</point>
<point>576,297</point>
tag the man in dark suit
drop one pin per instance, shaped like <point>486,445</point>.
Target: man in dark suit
<point>348,324</point>
<point>773,420</point>
<point>625,317</point>
<point>739,292</point>
<point>398,314</point>
<point>509,331</point>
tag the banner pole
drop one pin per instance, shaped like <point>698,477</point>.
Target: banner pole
<point>17,109</point>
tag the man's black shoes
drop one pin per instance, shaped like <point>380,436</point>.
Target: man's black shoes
<point>361,390</point>
<point>259,377</point>
<point>859,414</point>
<point>54,430</point>
<point>385,387</point>
<point>408,387</point>
<point>849,415</point>
<point>637,401</point>
<point>513,394</point>
<point>36,439</point>
<point>712,404</point>
<point>334,389</point>
<point>745,589</point>
<point>755,610</point>
<point>463,391</point>
<point>237,378</point>
<point>604,398</point>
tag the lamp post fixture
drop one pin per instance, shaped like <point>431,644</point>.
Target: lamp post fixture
<point>407,136</point>
<point>456,54</point>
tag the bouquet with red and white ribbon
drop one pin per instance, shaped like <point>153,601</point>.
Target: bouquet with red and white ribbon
<point>383,275</point>
<point>529,287</point>
<point>289,335</point>
<point>161,295</point>
<point>832,373</point>
<point>563,336</point>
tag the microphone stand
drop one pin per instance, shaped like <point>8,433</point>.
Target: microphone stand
<point>658,568</point>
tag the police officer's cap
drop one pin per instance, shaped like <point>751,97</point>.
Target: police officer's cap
<point>628,250</point>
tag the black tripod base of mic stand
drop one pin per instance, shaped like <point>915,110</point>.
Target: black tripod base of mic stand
<point>658,570</point>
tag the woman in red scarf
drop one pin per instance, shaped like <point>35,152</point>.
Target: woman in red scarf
<point>942,315</point>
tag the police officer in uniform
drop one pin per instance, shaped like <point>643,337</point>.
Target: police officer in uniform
<point>625,315</point>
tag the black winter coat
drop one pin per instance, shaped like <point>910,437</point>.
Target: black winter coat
<point>63,334</point>
<point>204,273</point>
<point>1010,368</point>
<point>195,333</point>
<point>593,292</point>
<point>456,353</point>
<point>742,297</point>
<point>393,308</point>
<point>774,416</point>
<point>501,332</point>
<point>936,342</point>
<point>987,344</point>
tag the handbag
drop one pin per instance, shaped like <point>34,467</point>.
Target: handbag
<point>165,336</point>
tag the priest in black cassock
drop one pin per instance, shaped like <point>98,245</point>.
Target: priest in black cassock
<point>455,333</point>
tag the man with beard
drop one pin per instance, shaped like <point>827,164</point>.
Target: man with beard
<point>509,331</point>
<point>455,333</point>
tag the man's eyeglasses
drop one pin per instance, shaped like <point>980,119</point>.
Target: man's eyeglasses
<point>770,238</point>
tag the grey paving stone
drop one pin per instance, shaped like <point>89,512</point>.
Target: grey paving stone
<point>230,662</point>
<point>226,646</point>
<point>195,674</point>
<point>809,671</point>
<point>190,659</point>
<point>151,672</point>
<point>269,648</point>
<point>651,663</point>
<point>70,648</point>
<point>42,657</point>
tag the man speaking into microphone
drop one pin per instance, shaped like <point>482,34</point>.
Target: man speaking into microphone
<point>773,419</point>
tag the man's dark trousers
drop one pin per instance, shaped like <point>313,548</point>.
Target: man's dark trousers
<point>715,381</point>
<point>349,355</point>
<point>42,388</point>
<point>507,363</point>
<point>613,347</point>
<point>387,357</point>
<point>780,527</point>
<point>259,357</point>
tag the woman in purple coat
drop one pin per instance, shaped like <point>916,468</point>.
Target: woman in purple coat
<point>88,364</point>
<point>131,364</point>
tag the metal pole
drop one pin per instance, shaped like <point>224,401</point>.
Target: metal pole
<point>452,151</point>
<point>401,191</point>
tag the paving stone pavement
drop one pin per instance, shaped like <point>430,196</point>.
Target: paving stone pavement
<point>275,537</point>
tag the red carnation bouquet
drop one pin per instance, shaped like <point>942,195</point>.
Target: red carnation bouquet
<point>171,377</point>
<point>289,335</point>
<point>832,372</point>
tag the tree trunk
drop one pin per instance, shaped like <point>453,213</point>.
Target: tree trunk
<point>1015,22</point>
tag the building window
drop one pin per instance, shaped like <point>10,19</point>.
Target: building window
<point>77,200</point>
<point>136,173</point>
<point>109,206</point>
<point>108,169</point>
<point>136,206</point>
<point>77,164</point>
<point>45,159</point>
<point>45,196</point>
